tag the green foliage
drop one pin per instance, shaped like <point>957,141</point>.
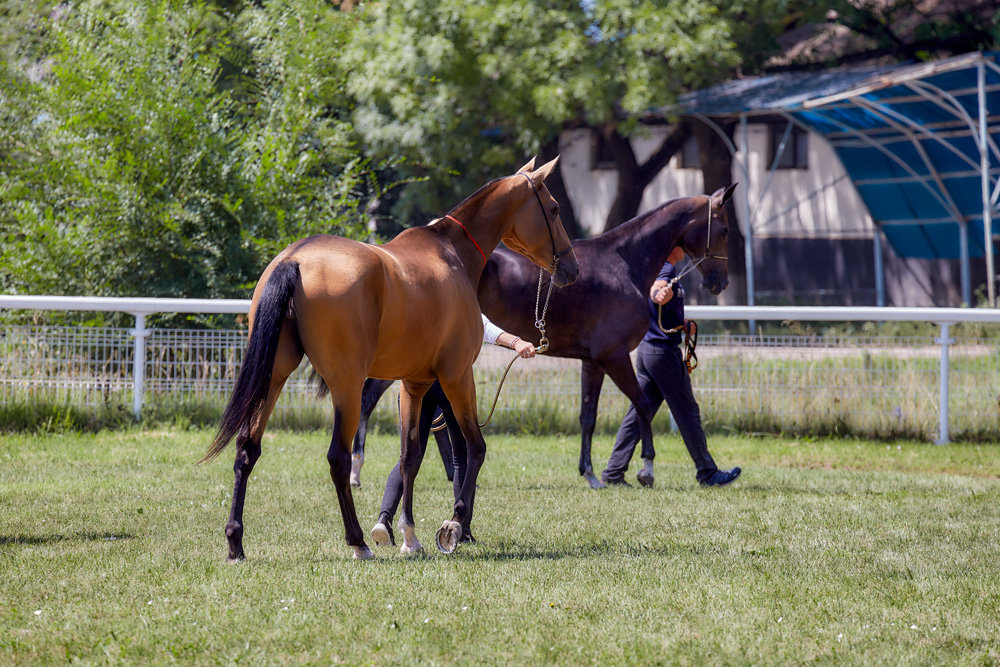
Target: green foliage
<point>463,91</point>
<point>173,149</point>
<point>44,415</point>
<point>914,30</point>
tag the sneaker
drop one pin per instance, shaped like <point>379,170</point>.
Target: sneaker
<point>722,477</point>
<point>616,481</point>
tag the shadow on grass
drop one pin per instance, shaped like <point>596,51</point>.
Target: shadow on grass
<point>512,551</point>
<point>9,540</point>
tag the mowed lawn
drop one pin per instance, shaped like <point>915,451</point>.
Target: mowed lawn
<point>111,549</point>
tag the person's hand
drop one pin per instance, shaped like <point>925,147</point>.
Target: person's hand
<point>661,295</point>
<point>525,349</point>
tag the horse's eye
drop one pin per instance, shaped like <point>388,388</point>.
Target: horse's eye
<point>555,209</point>
<point>725,232</point>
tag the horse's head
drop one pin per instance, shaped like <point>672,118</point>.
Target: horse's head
<point>537,232</point>
<point>705,239</point>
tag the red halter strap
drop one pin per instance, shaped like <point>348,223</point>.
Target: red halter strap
<point>454,219</point>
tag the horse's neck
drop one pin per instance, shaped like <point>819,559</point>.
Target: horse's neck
<point>486,225</point>
<point>645,242</point>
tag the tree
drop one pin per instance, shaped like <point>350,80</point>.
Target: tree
<point>464,90</point>
<point>173,148</point>
<point>859,31</point>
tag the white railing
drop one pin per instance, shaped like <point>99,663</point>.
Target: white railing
<point>944,318</point>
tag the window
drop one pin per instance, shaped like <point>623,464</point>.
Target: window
<point>796,153</point>
<point>689,157</point>
<point>600,153</point>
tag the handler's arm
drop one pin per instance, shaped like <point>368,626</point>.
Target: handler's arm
<point>497,336</point>
<point>661,292</point>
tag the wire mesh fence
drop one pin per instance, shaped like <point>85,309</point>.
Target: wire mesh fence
<point>85,365</point>
<point>876,386</point>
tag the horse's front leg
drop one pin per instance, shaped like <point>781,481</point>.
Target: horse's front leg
<point>462,396</point>
<point>411,454</point>
<point>620,370</point>
<point>591,380</point>
<point>370,395</point>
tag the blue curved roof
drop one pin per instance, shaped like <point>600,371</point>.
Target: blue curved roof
<point>908,136</point>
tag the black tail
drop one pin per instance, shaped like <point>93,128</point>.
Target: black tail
<point>254,379</point>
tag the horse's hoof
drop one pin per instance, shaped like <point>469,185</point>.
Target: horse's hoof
<point>594,482</point>
<point>355,481</point>
<point>362,552</point>
<point>448,536</point>
<point>645,476</point>
<point>414,548</point>
<point>382,535</point>
<point>233,560</point>
<point>411,544</point>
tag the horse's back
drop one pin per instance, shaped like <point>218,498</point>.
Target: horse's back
<point>386,311</point>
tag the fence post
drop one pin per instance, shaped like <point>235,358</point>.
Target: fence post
<point>139,364</point>
<point>944,341</point>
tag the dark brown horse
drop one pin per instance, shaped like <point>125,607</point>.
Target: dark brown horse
<point>404,310</point>
<point>601,317</point>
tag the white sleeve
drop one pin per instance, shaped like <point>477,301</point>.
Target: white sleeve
<point>490,331</point>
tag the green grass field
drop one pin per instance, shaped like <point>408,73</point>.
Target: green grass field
<point>111,550</point>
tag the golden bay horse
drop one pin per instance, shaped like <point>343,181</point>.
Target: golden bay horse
<point>404,310</point>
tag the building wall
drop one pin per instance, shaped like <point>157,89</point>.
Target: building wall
<point>799,203</point>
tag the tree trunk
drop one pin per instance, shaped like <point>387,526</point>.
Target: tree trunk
<point>629,193</point>
<point>632,176</point>
<point>717,172</point>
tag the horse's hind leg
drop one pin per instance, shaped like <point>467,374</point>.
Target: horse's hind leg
<point>370,395</point>
<point>289,354</point>
<point>591,379</point>
<point>346,414</point>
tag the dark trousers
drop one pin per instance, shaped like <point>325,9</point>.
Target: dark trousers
<point>662,377</point>
<point>453,451</point>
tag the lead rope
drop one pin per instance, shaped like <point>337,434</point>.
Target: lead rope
<point>543,344</point>
<point>690,338</point>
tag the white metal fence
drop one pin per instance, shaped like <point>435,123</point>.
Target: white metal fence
<point>929,385</point>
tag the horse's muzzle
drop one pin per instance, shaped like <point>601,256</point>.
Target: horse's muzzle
<point>566,271</point>
<point>715,283</point>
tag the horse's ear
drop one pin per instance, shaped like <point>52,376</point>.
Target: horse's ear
<point>543,172</point>
<point>528,168</point>
<point>722,195</point>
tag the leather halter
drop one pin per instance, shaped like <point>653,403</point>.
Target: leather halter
<point>708,238</point>
<point>708,254</point>
<point>556,255</point>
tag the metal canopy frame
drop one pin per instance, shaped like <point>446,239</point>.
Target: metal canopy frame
<point>927,135</point>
